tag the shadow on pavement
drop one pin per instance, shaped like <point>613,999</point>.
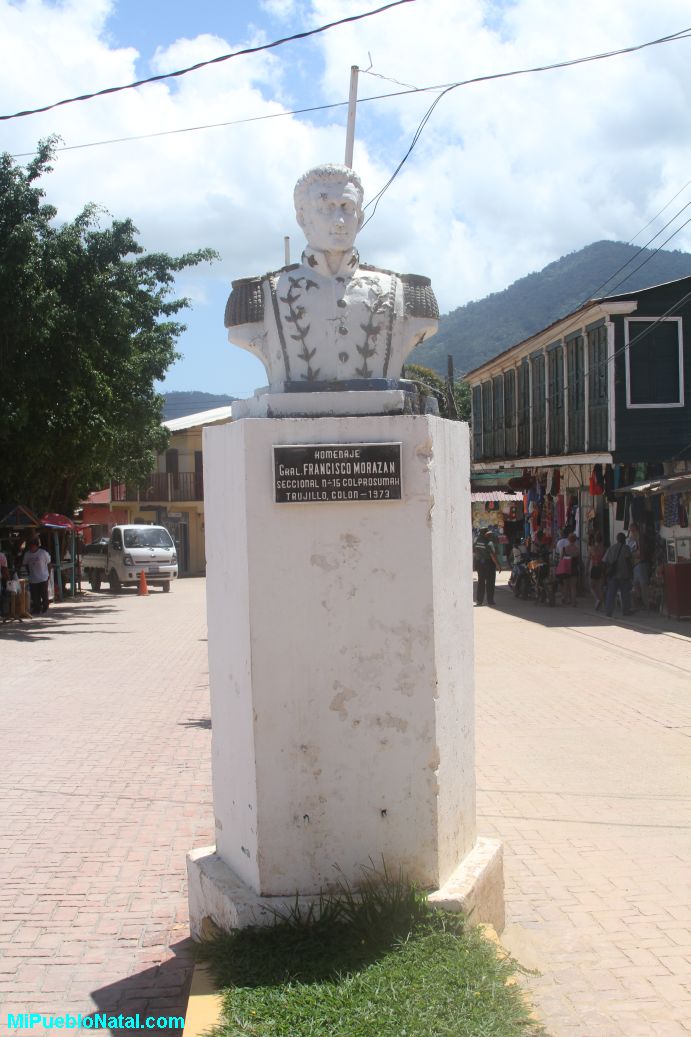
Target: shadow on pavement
<point>58,620</point>
<point>202,722</point>
<point>584,615</point>
<point>161,990</point>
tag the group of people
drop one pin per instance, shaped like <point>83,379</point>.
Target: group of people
<point>37,562</point>
<point>619,570</point>
<point>611,572</point>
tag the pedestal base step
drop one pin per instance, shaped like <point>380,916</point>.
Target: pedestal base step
<point>219,900</point>
<point>476,887</point>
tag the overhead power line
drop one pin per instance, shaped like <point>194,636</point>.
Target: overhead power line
<point>443,89</point>
<point>204,64</point>
<point>680,35</point>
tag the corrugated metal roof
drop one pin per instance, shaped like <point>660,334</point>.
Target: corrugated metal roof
<point>488,495</point>
<point>204,417</point>
<point>678,483</point>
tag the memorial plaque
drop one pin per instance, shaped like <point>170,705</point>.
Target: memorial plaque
<point>327,472</point>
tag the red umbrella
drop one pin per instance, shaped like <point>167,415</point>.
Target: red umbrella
<point>55,521</point>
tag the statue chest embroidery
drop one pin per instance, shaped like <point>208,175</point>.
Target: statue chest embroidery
<point>336,326</point>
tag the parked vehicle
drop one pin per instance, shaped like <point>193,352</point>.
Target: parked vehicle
<point>130,551</point>
<point>519,578</point>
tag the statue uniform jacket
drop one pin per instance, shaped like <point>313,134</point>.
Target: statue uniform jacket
<point>308,324</point>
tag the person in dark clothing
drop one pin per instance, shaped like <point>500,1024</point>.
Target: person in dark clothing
<point>618,564</point>
<point>486,565</point>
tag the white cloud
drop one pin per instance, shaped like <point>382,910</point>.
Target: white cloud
<point>507,175</point>
<point>281,9</point>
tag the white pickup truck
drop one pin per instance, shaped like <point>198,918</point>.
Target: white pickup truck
<point>130,551</point>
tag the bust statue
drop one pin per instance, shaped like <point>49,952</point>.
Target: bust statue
<point>330,318</point>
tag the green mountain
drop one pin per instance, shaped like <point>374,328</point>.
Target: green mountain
<point>479,330</point>
<point>180,404</point>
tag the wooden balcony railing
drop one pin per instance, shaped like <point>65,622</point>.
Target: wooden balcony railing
<point>162,486</point>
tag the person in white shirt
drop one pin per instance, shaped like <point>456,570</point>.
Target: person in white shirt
<point>37,561</point>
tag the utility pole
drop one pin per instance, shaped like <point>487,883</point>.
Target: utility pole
<point>453,409</point>
<point>352,106</point>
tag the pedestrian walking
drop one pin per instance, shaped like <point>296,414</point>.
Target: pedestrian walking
<point>486,565</point>
<point>37,561</point>
<point>641,575</point>
<point>618,565</point>
<point>568,557</point>
<point>596,572</point>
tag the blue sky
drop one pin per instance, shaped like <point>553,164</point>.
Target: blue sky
<point>507,176</point>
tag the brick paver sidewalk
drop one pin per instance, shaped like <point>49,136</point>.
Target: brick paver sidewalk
<point>583,771</point>
<point>584,761</point>
<point>105,785</point>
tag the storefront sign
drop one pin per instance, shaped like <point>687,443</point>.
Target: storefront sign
<point>328,472</point>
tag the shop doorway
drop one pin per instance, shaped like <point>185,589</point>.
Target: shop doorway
<point>178,528</point>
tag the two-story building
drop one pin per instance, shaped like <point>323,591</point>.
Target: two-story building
<point>593,409</point>
<point>173,495</point>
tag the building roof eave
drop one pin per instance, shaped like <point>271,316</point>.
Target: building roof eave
<point>553,461</point>
<point>592,311</point>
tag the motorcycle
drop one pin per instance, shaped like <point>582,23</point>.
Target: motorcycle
<point>534,579</point>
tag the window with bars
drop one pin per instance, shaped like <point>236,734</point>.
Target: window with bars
<point>556,400</point>
<point>510,413</point>
<point>523,408</point>
<point>477,422</point>
<point>576,393</point>
<point>597,389</point>
<point>487,421</point>
<point>537,372</point>
<point>498,412</point>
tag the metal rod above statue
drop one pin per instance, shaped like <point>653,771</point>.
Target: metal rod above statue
<point>352,108</point>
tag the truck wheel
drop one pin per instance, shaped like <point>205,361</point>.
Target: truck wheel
<point>166,587</point>
<point>95,581</point>
<point>114,581</point>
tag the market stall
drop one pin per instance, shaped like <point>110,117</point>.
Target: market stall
<point>502,513</point>
<point>662,506</point>
<point>65,567</point>
<point>16,527</point>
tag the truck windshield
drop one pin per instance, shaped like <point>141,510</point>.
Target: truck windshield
<point>152,537</point>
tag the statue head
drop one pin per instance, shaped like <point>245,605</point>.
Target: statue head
<point>328,206</point>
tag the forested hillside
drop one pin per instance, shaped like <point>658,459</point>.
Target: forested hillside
<point>479,330</point>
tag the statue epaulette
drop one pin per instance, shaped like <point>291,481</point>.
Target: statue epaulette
<point>418,296</point>
<point>377,269</point>
<point>245,303</point>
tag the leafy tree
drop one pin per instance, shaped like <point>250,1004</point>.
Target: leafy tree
<point>430,383</point>
<point>86,326</point>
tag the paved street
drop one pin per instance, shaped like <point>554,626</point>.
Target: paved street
<point>583,772</point>
<point>105,785</point>
<point>584,767</point>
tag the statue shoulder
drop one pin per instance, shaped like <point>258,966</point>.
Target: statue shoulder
<point>246,301</point>
<point>418,296</point>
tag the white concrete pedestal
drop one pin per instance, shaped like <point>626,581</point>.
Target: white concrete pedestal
<point>341,669</point>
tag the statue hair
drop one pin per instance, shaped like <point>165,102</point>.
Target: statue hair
<point>328,172</point>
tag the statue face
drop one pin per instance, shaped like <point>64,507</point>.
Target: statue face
<point>331,216</point>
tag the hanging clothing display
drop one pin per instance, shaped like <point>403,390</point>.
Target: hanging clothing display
<point>672,503</point>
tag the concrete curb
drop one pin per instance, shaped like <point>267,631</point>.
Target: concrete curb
<point>490,933</point>
<point>204,1007</point>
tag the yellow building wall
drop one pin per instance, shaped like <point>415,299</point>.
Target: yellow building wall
<point>191,513</point>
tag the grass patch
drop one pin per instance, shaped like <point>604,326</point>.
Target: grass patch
<point>381,963</point>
